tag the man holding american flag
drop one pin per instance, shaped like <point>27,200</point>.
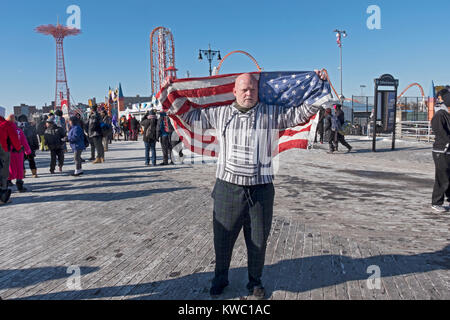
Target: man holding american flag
<point>248,135</point>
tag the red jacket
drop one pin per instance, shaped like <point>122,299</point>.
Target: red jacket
<point>7,131</point>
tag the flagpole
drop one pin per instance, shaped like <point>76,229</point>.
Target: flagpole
<point>340,35</point>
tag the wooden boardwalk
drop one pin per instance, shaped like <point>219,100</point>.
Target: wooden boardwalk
<point>136,232</point>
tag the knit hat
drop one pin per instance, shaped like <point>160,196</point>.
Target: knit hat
<point>445,94</point>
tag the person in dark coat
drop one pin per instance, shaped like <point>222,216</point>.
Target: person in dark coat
<point>329,132</point>
<point>341,121</point>
<point>107,130</point>
<point>95,135</point>
<point>164,130</point>
<point>54,138</point>
<point>320,130</point>
<point>32,139</point>
<point>134,127</point>
<point>76,140</point>
<point>41,127</point>
<point>149,125</point>
<point>441,129</point>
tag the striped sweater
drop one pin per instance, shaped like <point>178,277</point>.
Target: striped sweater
<point>247,140</point>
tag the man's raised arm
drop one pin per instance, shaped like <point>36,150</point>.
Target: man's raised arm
<point>204,118</point>
<point>291,117</point>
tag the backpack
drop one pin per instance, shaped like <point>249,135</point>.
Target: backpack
<point>105,127</point>
<point>150,132</point>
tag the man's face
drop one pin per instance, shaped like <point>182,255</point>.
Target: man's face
<point>246,91</point>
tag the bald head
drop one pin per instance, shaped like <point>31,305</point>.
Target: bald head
<point>246,91</point>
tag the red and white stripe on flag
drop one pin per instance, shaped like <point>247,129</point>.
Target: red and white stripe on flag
<point>183,95</point>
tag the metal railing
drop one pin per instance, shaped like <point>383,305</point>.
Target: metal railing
<point>420,130</point>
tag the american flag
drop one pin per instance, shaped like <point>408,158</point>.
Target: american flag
<point>288,89</point>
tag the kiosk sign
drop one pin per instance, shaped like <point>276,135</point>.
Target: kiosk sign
<point>385,107</point>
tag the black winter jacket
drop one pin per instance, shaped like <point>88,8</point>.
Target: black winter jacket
<point>441,128</point>
<point>95,129</point>
<point>31,135</point>
<point>145,124</point>
<point>53,137</point>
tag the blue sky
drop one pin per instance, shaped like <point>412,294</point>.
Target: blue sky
<point>413,43</point>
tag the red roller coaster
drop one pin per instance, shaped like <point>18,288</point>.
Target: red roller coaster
<point>162,58</point>
<point>238,51</point>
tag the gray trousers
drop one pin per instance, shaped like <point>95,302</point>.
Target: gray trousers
<point>235,208</point>
<point>77,159</point>
<point>4,169</point>
<point>96,143</point>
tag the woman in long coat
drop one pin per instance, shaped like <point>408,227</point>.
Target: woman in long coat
<point>16,158</point>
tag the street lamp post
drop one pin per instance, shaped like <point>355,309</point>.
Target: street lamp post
<point>210,54</point>
<point>362,89</point>
<point>340,34</point>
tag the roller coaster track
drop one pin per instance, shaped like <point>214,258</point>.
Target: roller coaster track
<point>238,51</point>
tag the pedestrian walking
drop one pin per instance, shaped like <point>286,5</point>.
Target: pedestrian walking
<point>165,129</point>
<point>9,141</point>
<point>16,169</point>
<point>76,138</point>
<point>95,136</point>
<point>107,130</point>
<point>329,130</point>
<point>320,126</point>
<point>149,125</point>
<point>32,139</point>
<point>340,136</point>
<point>41,127</point>
<point>54,138</point>
<point>134,125</point>
<point>125,128</point>
<point>116,128</point>
<point>441,151</point>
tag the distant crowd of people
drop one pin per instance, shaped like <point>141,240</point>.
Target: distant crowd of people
<point>20,139</point>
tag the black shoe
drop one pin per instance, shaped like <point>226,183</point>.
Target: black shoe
<point>91,159</point>
<point>10,184</point>
<point>5,195</point>
<point>216,291</point>
<point>163,164</point>
<point>82,160</point>
<point>350,150</point>
<point>258,292</point>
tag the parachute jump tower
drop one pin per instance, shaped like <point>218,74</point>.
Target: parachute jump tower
<point>162,58</point>
<point>59,32</point>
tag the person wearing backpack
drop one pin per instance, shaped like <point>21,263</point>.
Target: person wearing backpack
<point>441,147</point>
<point>149,124</point>
<point>76,139</point>
<point>54,136</point>
<point>31,135</point>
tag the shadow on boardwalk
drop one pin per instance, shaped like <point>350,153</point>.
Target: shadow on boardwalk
<point>21,278</point>
<point>98,196</point>
<point>295,275</point>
